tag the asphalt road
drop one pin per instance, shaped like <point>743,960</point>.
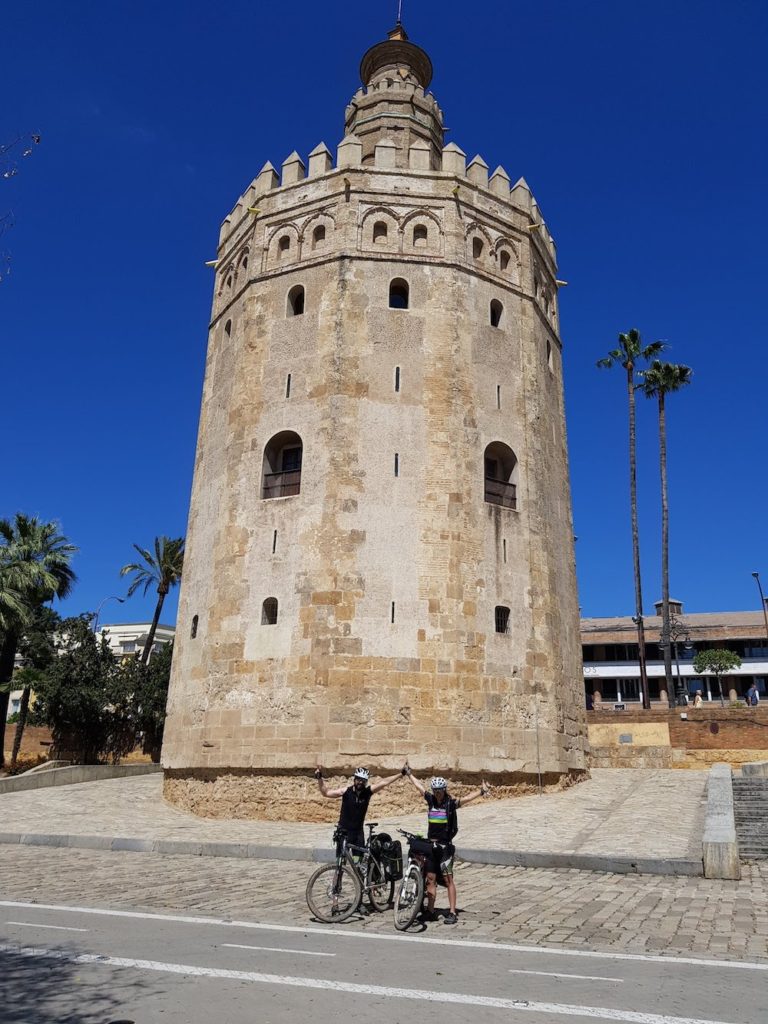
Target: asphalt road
<point>80,965</point>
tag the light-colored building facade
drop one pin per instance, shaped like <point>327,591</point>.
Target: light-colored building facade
<point>127,639</point>
<point>379,558</point>
<point>612,670</point>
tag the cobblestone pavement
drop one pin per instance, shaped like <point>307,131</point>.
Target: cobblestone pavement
<point>562,908</point>
<point>634,812</point>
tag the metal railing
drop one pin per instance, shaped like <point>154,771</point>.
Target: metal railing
<point>500,492</point>
<point>281,485</point>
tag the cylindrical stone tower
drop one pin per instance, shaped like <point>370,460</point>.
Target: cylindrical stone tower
<point>380,548</point>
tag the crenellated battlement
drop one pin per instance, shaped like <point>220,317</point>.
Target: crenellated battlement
<point>473,183</point>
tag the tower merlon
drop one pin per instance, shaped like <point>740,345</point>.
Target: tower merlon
<point>477,172</point>
<point>420,156</point>
<point>385,154</point>
<point>454,159</point>
<point>293,169</point>
<point>350,152</point>
<point>320,160</point>
<point>499,182</point>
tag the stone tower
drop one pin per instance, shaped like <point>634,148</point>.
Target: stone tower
<point>380,547</point>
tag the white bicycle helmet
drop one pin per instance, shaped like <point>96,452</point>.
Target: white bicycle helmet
<point>362,773</point>
<point>438,782</point>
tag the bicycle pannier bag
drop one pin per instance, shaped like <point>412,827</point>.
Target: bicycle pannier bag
<point>392,859</point>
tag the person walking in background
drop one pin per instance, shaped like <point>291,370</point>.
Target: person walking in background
<point>698,700</point>
<point>753,696</point>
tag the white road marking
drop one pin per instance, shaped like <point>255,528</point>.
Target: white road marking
<point>276,949</point>
<point>330,933</point>
<point>420,995</point>
<point>52,927</point>
<point>582,977</point>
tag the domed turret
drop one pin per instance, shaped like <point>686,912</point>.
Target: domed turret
<point>393,104</point>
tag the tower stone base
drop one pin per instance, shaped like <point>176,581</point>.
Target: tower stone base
<point>294,796</point>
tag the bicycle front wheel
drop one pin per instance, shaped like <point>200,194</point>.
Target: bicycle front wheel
<point>333,893</point>
<point>409,898</point>
<point>379,889</point>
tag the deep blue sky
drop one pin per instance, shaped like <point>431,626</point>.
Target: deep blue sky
<point>640,128</point>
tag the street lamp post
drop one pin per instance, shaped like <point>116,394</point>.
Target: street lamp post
<point>677,631</point>
<point>120,600</point>
<point>762,600</point>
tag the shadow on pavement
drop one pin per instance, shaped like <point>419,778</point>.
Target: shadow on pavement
<point>45,990</point>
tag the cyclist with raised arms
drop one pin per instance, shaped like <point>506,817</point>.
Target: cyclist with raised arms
<point>354,800</point>
<point>442,827</point>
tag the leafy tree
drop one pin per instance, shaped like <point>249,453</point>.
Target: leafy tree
<point>660,380</point>
<point>37,648</point>
<point>148,685</point>
<point>718,662</point>
<point>84,698</point>
<point>628,354</point>
<point>163,569</point>
<point>36,560</point>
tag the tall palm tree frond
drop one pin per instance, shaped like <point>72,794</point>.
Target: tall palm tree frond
<point>163,568</point>
<point>664,378</point>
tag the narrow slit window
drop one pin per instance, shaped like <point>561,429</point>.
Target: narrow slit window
<point>498,396</point>
<point>392,612</point>
<point>397,378</point>
<point>193,630</point>
<point>502,619</point>
<point>274,541</point>
<point>228,328</point>
<point>269,612</point>
<point>397,464</point>
<point>288,386</point>
<point>504,550</point>
<point>550,362</point>
<point>496,313</point>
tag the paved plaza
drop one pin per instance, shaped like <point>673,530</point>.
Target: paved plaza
<point>560,908</point>
<point>618,812</point>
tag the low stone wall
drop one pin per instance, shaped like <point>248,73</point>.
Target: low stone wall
<point>72,775</point>
<point>662,739</point>
<point>289,796</point>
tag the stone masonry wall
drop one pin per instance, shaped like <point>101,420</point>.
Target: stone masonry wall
<point>336,679</point>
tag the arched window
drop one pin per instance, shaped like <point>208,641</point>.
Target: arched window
<point>502,618</point>
<point>244,262</point>
<point>295,305</point>
<point>420,236</point>
<point>269,612</point>
<point>193,630</point>
<point>318,236</point>
<point>500,468</point>
<point>380,231</point>
<point>496,310</point>
<point>229,281</point>
<point>398,294</point>
<point>503,259</point>
<point>283,246</point>
<point>228,328</point>
<point>281,468</point>
<point>477,248</point>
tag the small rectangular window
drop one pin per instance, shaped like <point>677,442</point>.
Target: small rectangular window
<point>397,378</point>
<point>274,541</point>
<point>288,386</point>
<point>504,550</point>
<point>393,612</point>
<point>397,464</point>
<point>502,619</point>
<point>498,396</point>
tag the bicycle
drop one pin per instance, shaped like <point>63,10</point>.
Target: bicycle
<point>335,891</point>
<point>410,895</point>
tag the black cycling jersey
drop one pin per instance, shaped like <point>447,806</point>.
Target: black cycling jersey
<point>354,807</point>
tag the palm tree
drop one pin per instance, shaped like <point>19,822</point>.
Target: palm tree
<point>163,569</point>
<point>628,354</point>
<point>35,559</point>
<point>660,380</point>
